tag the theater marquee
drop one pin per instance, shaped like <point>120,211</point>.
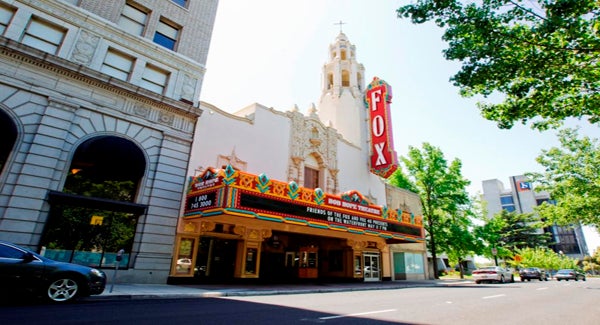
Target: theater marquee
<point>227,191</point>
<point>384,160</point>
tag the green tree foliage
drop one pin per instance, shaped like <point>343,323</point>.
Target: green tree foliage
<point>591,264</point>
<point>440,186</point>
<point>572,177</point>
<point>509,231</point>
<point>544,258</point>
<point>70,227</point>
<point>542,55</point>
<point>458,240</point>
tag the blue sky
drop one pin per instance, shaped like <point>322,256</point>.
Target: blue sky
<point>271,52</point>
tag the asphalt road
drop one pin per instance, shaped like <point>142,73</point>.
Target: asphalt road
<point>534,302</point>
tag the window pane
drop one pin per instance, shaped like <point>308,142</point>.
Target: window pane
<point>167,30</point>
<point>43,36</point>
<point>154,79</point>
<point>133,20</point>
<point>506,200</point>
<point>117,65</point>
<point>131,26</point>
<point>180,2</point>
<point>6,15</point>
<point>164,41</point>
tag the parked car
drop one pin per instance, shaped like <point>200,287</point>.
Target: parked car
<point>569,274</point>
<point>23,271</point>
<point>533,273</point>
<point>493,274</point>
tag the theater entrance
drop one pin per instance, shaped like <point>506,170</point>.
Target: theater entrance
<point>372,270</point>
<point>215,261</point>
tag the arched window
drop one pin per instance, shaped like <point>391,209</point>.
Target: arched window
<point>345,78</point>
<point>343,54</point>
<point>8,134</point>
<point>329,80</point>
<point>95,217</point>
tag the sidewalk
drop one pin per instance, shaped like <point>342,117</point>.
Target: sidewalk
<point>154,291</point>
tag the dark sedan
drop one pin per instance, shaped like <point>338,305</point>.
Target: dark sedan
<point>24,271</point>
<point>569,274</point>
<point>533,273</point>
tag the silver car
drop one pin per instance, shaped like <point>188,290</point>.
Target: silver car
<point>493,274</point>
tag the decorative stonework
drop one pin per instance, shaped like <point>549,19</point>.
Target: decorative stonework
<point>85,47</point>
<point>141,110</point>
<point>166,118</point>
<point>310,137</point>
<point>189,87</point>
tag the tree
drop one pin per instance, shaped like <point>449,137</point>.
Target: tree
<point>457,239</point>
<point>542,55</point>
<point>509,232</point>
<point>591,264</point>
<point>440,186</point>
<point>572,177</point>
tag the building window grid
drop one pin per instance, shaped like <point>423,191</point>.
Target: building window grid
<point>154,79</point>
<point>133,19</point>
<point>117,64</point>
<point>43,35</point>
<point>6,15</point>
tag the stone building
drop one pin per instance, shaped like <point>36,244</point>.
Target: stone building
<point>99,102</point>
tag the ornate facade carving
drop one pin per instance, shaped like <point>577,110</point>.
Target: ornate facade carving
<point>85,47</point>
<point>310,137</point>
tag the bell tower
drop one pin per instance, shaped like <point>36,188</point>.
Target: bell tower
<point>341,105</point>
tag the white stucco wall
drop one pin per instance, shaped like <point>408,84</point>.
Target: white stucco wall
<point>257,135</point>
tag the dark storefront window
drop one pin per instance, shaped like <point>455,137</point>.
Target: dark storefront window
<point>95,216</point>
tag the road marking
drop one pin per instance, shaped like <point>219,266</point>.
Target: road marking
<point>495,296</point>
<point>543,288</point>
<point>359,314</point>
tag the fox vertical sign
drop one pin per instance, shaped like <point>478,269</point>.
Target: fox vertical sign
<point>378,97</point>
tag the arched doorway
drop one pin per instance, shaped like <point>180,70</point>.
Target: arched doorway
<point>95,215</point>
<point>8,134</point>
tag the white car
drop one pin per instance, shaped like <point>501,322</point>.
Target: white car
<point>493,274</point>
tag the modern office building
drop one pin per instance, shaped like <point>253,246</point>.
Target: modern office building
<point>521,197</point>
<point>285,195</point>
<point>99,102</point>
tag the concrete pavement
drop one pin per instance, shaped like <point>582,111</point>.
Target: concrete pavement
<point>154,291</point>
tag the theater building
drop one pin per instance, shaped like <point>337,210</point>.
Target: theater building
<point>281,196</point>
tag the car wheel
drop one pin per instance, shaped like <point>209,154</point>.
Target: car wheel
<point>477,282</point>
<point>522,280</point>
<point>63,289</point>
<point>502,279</point>
<point>512,278</point>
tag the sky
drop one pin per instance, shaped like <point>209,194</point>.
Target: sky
<point>271,52</point>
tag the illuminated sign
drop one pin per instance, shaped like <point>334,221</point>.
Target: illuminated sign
<point>384,160</point>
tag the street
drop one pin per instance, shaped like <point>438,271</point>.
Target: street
<point>534,302</point>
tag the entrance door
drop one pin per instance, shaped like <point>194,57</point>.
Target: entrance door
<point>215,261</point>
<point>372,267</point>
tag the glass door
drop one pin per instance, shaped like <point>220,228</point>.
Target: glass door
<point>372,267</point>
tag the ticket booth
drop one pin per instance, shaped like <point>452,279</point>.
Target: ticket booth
<point>308,267</point>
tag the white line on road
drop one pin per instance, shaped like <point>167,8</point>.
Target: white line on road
<point>359,314</point>
<point>495,296</point>
<point>543,288</point>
